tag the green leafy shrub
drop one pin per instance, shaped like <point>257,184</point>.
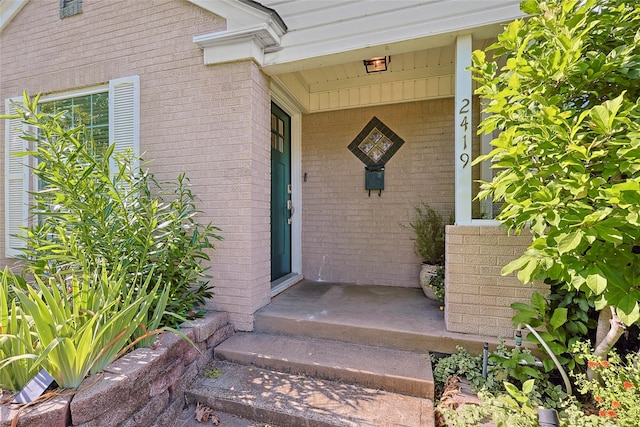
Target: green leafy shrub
<point>437,284</point>
<point>565,316</point>
<point>17,343</point>
<point>461,364</point>
<point>429,231</point>
<point>562,90</point>
<point>115,214</point>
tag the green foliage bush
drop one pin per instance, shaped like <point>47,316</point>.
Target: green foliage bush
<point>565,317</point>
<point>566,100</point>
<point>110,211</point>
<point>16,341</point>
<point>72,324</point>
<point>437,284</point>
<point>515,365</point>
<point>516,408</point>
<point>430,233</point>
<point>111,254</point>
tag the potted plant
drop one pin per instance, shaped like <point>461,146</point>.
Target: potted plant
<point>429,244</point>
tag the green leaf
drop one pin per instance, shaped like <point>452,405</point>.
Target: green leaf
<point>596,281</point>
<point>478,57</point>
<point>529,7</point>
<point>515,265</point>
<point>570,241</point>
<point>515,393</point>
<point>601,303</point>
<point>526,274</point>
<point>609,234</point>
<point>538,302</point>
<point>527,386</point>
<point>631,317</point>
<point>558,318</point>
<point>600,119</point>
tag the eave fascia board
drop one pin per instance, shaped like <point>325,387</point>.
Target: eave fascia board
<point>8,10</point>
<point>228,46</point>
<point>334,50</point>
<point>242,14</point>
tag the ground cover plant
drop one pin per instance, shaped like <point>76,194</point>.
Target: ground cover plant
<point>616,392</point>
<point>513,365</point>
<point>110,256</point>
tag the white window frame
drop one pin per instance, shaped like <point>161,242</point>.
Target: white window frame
<point>124,132</point>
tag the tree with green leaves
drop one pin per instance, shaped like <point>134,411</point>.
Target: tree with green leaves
<point>563,89</point>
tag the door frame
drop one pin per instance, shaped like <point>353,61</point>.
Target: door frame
<point>286,103</point>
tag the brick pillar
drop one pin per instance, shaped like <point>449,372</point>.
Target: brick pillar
<point>478,297</point>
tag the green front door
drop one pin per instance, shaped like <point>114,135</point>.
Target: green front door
<point>281,208</point>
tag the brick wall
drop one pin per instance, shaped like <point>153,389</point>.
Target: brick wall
<point>349,236</point>
<point>208,121</point>
<point>477,296</point>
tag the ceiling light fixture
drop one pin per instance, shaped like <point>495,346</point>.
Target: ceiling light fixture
<point>377,64</point>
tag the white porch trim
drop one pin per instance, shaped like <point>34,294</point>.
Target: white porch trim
<point>245,43</point>
<point>252,31</point>
<point>463,131</point>
<point>8,10</point>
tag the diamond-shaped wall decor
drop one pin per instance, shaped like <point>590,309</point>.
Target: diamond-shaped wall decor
<point>375,144</point>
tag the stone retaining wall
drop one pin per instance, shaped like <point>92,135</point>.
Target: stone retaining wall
<point>145,387</point>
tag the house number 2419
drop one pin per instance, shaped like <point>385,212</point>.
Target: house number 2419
<point>463,115</point>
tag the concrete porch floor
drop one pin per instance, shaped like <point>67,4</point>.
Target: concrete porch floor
<point>328,380</point>
<point>386,316</point>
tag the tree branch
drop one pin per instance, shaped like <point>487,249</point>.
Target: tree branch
<point>605,345</point>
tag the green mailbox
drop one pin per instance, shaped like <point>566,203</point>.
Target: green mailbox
<point>374,179</point>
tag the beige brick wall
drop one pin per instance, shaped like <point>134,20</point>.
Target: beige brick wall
<point>208,121</point>
<point>350,237</point>
<point>478,298</point>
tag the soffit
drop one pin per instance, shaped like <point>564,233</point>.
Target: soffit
<point>322,33</point>
<point>410,76</point>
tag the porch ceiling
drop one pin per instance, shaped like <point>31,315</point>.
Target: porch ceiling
<point>410,76</point>
<point>314,50</point>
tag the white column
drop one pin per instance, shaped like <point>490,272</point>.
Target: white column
<point>463,130</point>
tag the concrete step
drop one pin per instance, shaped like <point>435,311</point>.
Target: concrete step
<point>293,400</point>
<point>380,316</point>
<point>397,371</point>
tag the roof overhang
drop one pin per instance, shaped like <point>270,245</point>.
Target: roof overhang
<point>318,37</point>
<point>252,31</point>
<point>8,10</point>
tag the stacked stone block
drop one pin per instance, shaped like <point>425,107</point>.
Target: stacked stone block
<point>144,387</point>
